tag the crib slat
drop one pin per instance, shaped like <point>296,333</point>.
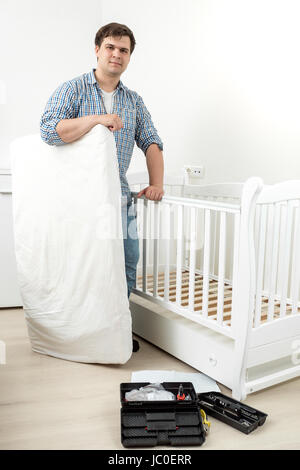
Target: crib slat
<point>206,264</point>
<point>145,231</point>
<point>281,255</point>
<point>155,246</point>
<point>256,231</point>
<point>167,215</point>
<point>268,254</point>
<point>296,263</point>
<point>186,228</point>
<point>236,244</point>
<point>268,248</point>
<point>192,258</point>
<point>274,262</point>
<point>222,244</point>
<point>260,264</point>
<point>215,217</point>
<point>179,254</point>
<point>286,257</point>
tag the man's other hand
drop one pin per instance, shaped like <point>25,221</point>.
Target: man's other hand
<point>152,192</point>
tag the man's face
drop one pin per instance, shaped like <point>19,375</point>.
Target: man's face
<point>113,55</point>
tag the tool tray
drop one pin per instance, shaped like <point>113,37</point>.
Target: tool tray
<point>230,411</point>
<point>153,423</point>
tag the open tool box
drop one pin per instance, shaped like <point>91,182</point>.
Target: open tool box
<point>166,422</point>
<point>182,421</point>
<point>230,411</point>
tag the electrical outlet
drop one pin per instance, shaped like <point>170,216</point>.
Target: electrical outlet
<point>197,171</point>
<point>193,173</point>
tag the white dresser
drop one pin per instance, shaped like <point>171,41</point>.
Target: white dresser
<point>9,290</point>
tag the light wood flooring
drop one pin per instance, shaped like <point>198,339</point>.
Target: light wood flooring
<point>48,403</point>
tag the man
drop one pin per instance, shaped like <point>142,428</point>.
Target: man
<point>99,97</point>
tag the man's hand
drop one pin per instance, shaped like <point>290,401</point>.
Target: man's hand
<point>152,192</point>
<point>70,130</point>
<point>111,121</point>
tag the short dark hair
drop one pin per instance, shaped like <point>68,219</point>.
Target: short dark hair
<point>115,30</point>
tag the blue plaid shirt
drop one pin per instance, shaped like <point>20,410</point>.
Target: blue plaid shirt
<point>82,96</point>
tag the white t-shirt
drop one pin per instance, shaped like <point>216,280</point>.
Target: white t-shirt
<point>108,100</point>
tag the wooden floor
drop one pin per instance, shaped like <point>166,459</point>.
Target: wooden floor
<point>198,294</point>
<point>48,403</point>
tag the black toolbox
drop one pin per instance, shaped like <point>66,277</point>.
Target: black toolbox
<point>154,423</point>
<point>230,411</point>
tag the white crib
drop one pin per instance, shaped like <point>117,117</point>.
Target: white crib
<point>218,278</point>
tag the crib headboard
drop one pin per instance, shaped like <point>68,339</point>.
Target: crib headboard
<point>277,242</point>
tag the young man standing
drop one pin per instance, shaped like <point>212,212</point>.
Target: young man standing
<point>99,97</point>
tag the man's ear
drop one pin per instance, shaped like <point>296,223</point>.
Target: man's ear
<point>96,51</point>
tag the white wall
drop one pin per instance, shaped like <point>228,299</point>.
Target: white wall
<point>220,77</point>
<point>248,99</point>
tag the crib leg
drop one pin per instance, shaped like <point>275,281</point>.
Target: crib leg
<point>238,387</point>
<point>238,394</point>
<point>239,371</point>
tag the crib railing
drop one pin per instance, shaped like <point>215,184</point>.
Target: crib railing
<point>185,258</point>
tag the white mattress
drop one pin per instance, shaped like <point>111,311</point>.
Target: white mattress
<point>69,247</point>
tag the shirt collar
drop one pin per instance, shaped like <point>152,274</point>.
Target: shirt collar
<point>91,79</point>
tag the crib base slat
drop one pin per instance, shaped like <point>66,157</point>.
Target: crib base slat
<point>198,295</point>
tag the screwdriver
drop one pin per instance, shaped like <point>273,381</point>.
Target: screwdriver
<point>180,394</point>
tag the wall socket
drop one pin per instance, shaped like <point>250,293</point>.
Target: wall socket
<point>192,173</point>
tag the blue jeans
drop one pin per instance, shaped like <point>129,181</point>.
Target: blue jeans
<point>131,244</point>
